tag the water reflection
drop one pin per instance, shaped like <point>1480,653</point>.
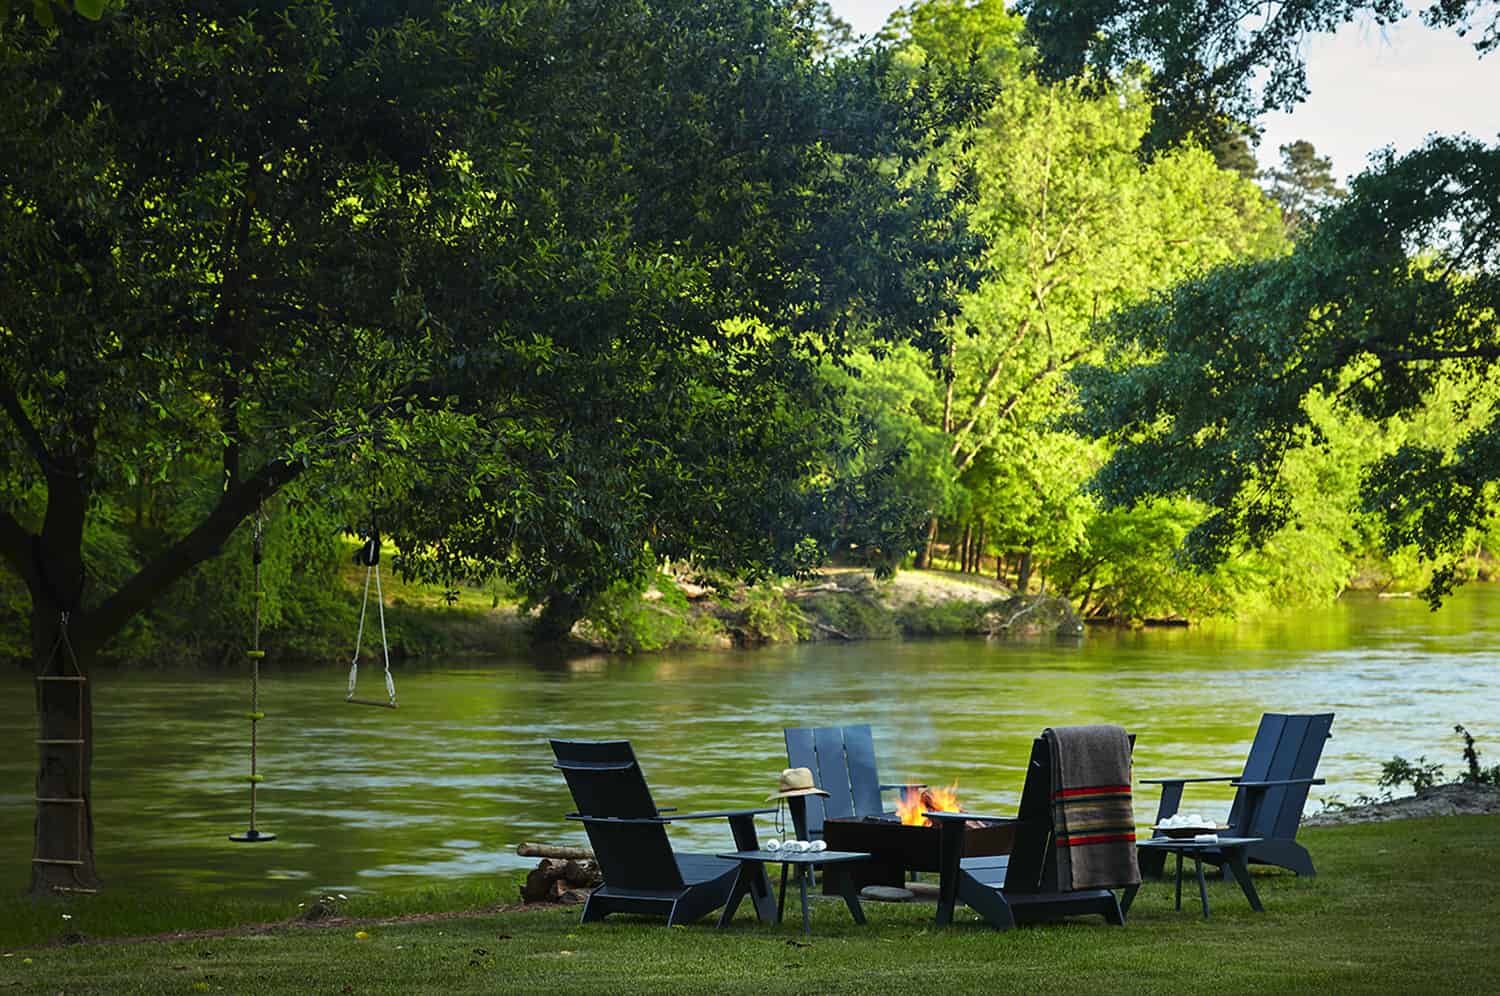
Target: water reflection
<point>449,784</point>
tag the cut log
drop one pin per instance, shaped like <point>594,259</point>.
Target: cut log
<point>530,850</point>
<point>553,878</point>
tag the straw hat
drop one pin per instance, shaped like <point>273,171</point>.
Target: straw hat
<point>795,781</point>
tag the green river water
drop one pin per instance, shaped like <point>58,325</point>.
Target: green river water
<point>446,786</point>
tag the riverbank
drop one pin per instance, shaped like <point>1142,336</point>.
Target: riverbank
<point>682,611</point>
<point>1455,799</point>
<point>1379,917</point>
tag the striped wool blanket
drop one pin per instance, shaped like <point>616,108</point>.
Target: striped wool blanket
<point>1092,815</point>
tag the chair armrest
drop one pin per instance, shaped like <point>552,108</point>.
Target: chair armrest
<point>642,821</point>
<point>1274,782</point>
<point>904,785</point>
<point>594,765</point>
<point>645,820</point>
<point>722,814</point>
<point>966,817</point>
<point>1184,781</point>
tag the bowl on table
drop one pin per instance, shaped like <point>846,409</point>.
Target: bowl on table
<point>1189,832</point>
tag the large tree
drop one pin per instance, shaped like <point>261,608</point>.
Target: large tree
<point>1077,226</point>
<point>1302,185</point>
<point>569,268</point>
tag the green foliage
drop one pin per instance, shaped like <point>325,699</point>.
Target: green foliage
<point>1474,773</point>
<point>1076,228</point>
<point>949,617</point>
<point>1420,774</point>
<point>1127,567</point>
<point>767,616</point>
<point>630,619</point>
<point>1303,185</point>
<point>855,616</point>
<point>1211,390</point>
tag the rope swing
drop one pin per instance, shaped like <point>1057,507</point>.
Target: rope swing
<point>61,677</point>
<point>369,556</point>
<point>252,835</point>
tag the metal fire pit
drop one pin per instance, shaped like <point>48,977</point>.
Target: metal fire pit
<point>898,848</point>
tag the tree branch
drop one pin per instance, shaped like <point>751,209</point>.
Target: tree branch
<point>1477,352</point>
<point>15,545</point>
<point>190,550</point>
<point>11,402</point>
<point>983,397</point>
<point>1052,366</point>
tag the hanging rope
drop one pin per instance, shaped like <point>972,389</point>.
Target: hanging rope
<point>252,835</point>
<point>62,643</point>
<point>369,555</point>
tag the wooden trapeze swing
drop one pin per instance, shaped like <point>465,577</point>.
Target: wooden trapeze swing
<point>369,556</point>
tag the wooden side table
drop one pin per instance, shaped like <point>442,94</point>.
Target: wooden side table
<point>1232,849</point>
<point>752,865</point>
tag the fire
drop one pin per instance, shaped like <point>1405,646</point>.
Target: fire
<point>914,802</point>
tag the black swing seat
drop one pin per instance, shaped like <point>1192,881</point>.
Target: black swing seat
<point>252,837</point>
<point>370,702</point>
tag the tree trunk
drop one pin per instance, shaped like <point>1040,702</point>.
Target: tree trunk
<point>963,548</point>
<point>1023,571</point>
<point>63,847</point>
<point>560,612</point>
<point>924,555</point>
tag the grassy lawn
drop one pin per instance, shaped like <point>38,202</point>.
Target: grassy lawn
<point>1398,907</point>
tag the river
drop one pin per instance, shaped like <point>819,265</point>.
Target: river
<point>446,786</point>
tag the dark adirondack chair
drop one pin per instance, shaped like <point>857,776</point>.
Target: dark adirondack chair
<point>642,873</point>
<point>842,760</point>
<point>1023,886</point>
<point>1269,794</point>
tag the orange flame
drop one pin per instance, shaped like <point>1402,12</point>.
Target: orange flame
<point>914,802</point>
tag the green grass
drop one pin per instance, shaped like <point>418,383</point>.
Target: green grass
<point>1400,907</point>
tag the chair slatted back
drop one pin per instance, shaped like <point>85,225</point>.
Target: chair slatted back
<point>842,760</point>
<point>832,772</point>
<point>1033,858</point>
<point>1033,854</point>
<point>1285,746</point>
<point>606,782</point>
<point>802,753</point>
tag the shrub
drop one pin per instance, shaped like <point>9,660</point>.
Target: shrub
<point>1421,774</point>
<point>768,616</point>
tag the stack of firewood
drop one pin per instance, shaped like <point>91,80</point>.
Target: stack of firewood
<point>564,875</point>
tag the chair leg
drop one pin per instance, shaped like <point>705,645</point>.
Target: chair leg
<point>781,901</point>
<point>849,892</point>
<point>593,910</point>
<point>1202,886</point>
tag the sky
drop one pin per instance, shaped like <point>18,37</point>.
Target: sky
<point>1370,86</point>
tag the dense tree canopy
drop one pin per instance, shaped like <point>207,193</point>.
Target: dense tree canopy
<point>1076,226</point>
<point>1396,291</point>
